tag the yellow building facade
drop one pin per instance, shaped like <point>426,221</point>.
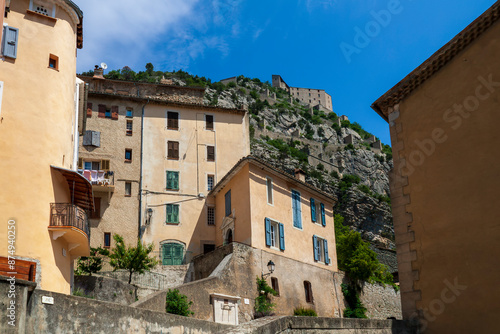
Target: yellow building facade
<point>444,120</point>
<point>187,150</point>
<point>43,198</point>
<point>266,208</point>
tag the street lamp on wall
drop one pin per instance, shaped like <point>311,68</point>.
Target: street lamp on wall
<point>270,266</point>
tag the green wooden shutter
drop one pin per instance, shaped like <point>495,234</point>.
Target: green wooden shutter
<point>282,237</point>
<point>175,214</point>
<point>323,218</point>
<point>167,255</point>
<point>178,254</point>
<point>172,180</point>
<point>316,248</point>
<point>169,213</point>
<point>313,210</point>
<point>325,244</point>
<point>268,231</point>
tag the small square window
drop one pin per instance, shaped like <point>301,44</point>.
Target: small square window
<point>128,189</point>
<point>54,62</point>
<point>210,215</point>
<point>129,128</point>
<point>129,113</point>
<point>128,155</point>
<point>107,239</point>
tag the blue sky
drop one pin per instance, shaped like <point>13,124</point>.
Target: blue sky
<point>310,43</point>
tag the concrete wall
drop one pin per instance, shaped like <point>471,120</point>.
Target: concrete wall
<point>230,137</point>
<point>444,191</point>
<point>106,289</point>
<point>38,118</point>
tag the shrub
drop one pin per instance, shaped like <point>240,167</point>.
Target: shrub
<point>364,188</point>
<point>349,147</point>
<point>231,85</point>
<point>88,265</point>
<point>334,174</point>
<point>263,304</point>
<point>354,308</point>
<point>80,293</point>
<point>304,312</point>
<point>252,131</point>
<point>320,167</point>
<point>177,303</point>
<point>254,94</point>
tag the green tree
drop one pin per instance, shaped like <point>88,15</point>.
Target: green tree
<point>133,259</point>
<point>178,303</point>
<point>149,69</point>
<point>263,304</point>
<point>87,265</point>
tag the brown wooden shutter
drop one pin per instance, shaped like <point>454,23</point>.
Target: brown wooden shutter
<point>175,121</point>
<point>102,111</point>
<point>176,149</point>
<point>114,112</point>
<point>80,163</point>
<point>210,153</point>
<point>89,109</point>
<point>105,165</point>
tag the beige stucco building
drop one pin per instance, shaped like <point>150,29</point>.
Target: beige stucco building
<point>313,97</point>
<point>444,119</point>
<point>43,201</point>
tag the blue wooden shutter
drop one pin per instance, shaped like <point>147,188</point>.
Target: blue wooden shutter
<point>316,248</point>
<point>325,244</point>
<point>313,210</point>
<point>268,231</point>
<point>9,46</point>
<point>282,237</point>
<point>228,202</point>
<point>297,211</point>
<point>323,219</point>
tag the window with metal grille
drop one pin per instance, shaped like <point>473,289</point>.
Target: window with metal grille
<point>210,182</point>
<point>129,128</point>
<point>210,215</point>
<point>173,150</point>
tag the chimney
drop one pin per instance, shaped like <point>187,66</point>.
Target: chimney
<point>98,72</point>
<point>300,175</point>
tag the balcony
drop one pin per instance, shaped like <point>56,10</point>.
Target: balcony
<point>70,222</point>
<point>102,181</point>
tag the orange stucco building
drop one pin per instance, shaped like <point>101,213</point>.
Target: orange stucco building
<point>44,201</point>
<point>444,119</point>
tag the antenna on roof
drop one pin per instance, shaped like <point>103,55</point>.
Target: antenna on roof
<point>104,66</point>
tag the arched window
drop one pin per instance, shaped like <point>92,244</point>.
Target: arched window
<point>172,254</point>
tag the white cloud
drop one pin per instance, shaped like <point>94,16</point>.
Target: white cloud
<point>168,33</point>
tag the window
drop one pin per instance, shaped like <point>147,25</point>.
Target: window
<point>308,292</point>
<point>315,210</point>
<point>129,128</point>
<point>92,138</point>
<point>227,201</point>
<point>129,113</point>
<point>128,189</point>
<point>172,214</point>
<point>320,250</point>
<point>207,248</point>
<point>107,239</point>
<point>275,285</point>
<point>173,150</point>
<point>172,254</point>
<point>269,183</point>
<point>296,209</point>
<point>323,218</point>
<point>54,62</point>
<point>43,7</point>
<point>128,155</point>
<point>275,234</point>
<point>210,153</point>
<point>172,180</point>
<point>209,122</point>
<point>96,214</point>
<point>210,182</point>
<point>10,41</point>
<point>210,215</point>
<point>172,120</point>
<point>107,114</point>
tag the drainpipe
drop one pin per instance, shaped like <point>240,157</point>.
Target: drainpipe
<point>140,175</point>
<point>76,136</point>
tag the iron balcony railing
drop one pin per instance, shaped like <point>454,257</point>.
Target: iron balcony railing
<point>65,214</point>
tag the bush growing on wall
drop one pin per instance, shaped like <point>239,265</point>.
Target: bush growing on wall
<point>263,304</point>
<point>177,303</point>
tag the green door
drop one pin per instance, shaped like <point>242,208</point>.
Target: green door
<point>173,254</point>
